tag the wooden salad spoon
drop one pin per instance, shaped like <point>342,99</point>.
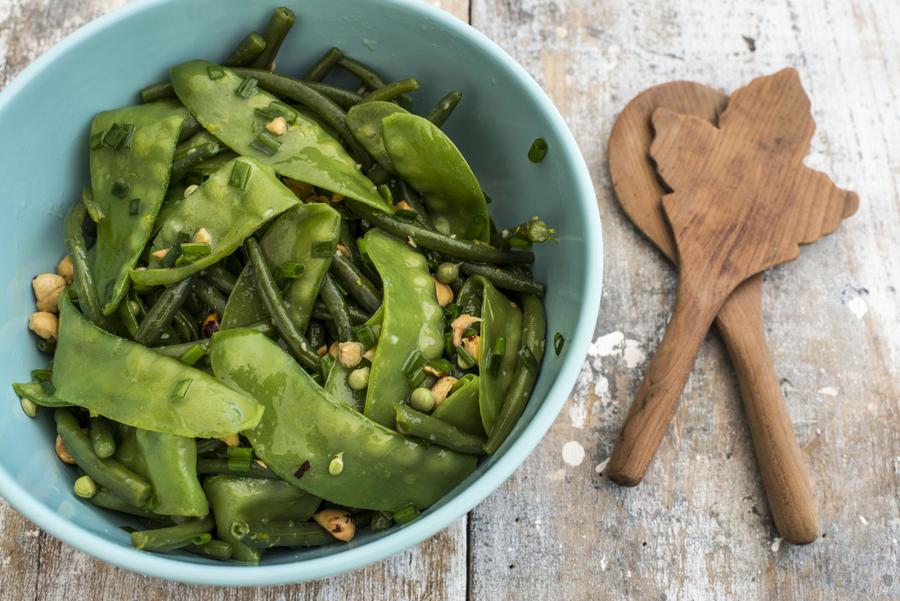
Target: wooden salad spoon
<point>740,320</point>
<point>743,201</point>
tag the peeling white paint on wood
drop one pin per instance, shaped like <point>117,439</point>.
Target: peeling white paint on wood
<point>698,527</point>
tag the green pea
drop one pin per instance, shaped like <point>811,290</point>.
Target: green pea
<point>85,487</point>
<point>447,272</point>
<point>359,378</point>
<point>422,400</point>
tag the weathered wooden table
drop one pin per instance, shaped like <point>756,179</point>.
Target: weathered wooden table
<point>698,528</point>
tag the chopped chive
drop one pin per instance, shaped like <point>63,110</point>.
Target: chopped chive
<point>381,520</point>
<point>440,365</point>
<point>386,193</point>
<point>519,243</point>
<point>464,358</point>
<point>266,143</point>
<point>238,464</point>
<point>181,389</point>
<point>120,188</point>
<point>558,342</point>
<point>290,270</point>
<point>367,334</point>
<point>202,539</point>
<point>247,87</point>
<point>195,249</point>
<point>193,354</point>
<point>118,136</point>
<point>215,72</point>
<point>538,150</point>
<point>97,141</point>
<point>322,249</point>
<point>129,139</point>
<point>277,108</point>
<point>172,257</point>
<point>240,175</point>
<point>495,357</point>
<point>134,207</point>
<point>413,368</point>
<point>451,311</point>
<point>528,358</point>
<point>406,215</point>
<point>41,375</point>
<point>406,514</point>
<point>240,452</point>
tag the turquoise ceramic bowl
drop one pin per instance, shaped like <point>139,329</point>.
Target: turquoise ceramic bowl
<point>44,118</point>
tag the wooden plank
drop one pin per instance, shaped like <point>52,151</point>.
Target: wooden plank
<point>33,565</point>
<point>698,527</point>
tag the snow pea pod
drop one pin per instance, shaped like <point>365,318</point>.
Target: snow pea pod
<point>364,121</point>
<point>461,408</point>
<point>236,502</point>
<point>306,234</point>
<point>37,394</point>
<point>129,178</point>
<point>500,318</point>
<point>304,428</point>
<point>412,320</point>
<point>305,152</point>
<point>425,157</point>
<point>228,211</point>
<point>169,462</point>
<point>134,385</point>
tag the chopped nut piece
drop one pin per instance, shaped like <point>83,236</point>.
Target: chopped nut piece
<point>441,389</point>
<point>333,349</point>
<point>47,288</point>
<point>335,197</point>
<point>160,254</point>
<point>405,206</point>
<point>370,354</point>
<point>65,269</point>
<point>350,353</point>
<point>343,250</point>
<point>232,440</point>
<point>472,344</point>
<point>44,324</point>
<point>62,452</point>
<point>322,351</point>
<point>277,126</point>
<point>460,325</point>
<point>202,236</point>
<point>338,522</point>
<point>444,293</point>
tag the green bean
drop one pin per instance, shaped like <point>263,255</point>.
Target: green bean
<point>177,350</point>
<point>102,440</point>
<point>221,278</point>
<point>534,332</point>
<point>215,549</point>
<point>210,295</point>
<point>341,97</point>
<point>157,91</point>
<point>349,243</point>
<point>172,537</point>
<point>190,128</point>
<point>184,326</point>
<point>333,299</point>
<point>357,315</point>
<point>324,65</point>
<point>108,473</point>
<point>163,311</point>
<point>503,278</point>
<point>392,90</point>
<point>187,159</point>
<point>268,290</point>
<point>247,51</point>
<point>128,317</point>
<point>463,249</point>
<point>438,115</point>
<point>421,425</point>
<point>265,535</point>
<point>323,106</point>
<point>279,25</point>
<point>210,445</point>
<point>357,285</point>
<point>221,465</point>
<point>364,73</point>
<point>106,500</point>
<point>83,279</point>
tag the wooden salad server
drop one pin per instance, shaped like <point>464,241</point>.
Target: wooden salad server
<point>639,192</point>
<point>743,201</point>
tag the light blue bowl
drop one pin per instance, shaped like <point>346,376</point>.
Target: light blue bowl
<point>44,118</point>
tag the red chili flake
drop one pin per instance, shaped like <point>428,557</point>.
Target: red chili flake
<point>301,470</point>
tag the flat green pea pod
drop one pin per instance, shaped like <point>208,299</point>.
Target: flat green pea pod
<point>236,502</point>
<point>234,110</point>
<point>412,320</point>
<point>304,428</point>
<point>169,462</point>
<point>501,335</point>
<point>425,157</point>
<point>131,384</point>
<point>364,120</point>
<point>38,394</point>
<point>304,238</point>
<point>232,204</point>
<point>461,409</point>
<point>131,157</point>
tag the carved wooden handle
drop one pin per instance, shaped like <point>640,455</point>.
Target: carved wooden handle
<point>779,457</point>
<point>653,406</point>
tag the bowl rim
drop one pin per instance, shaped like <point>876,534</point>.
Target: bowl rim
<point>430,523</point>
